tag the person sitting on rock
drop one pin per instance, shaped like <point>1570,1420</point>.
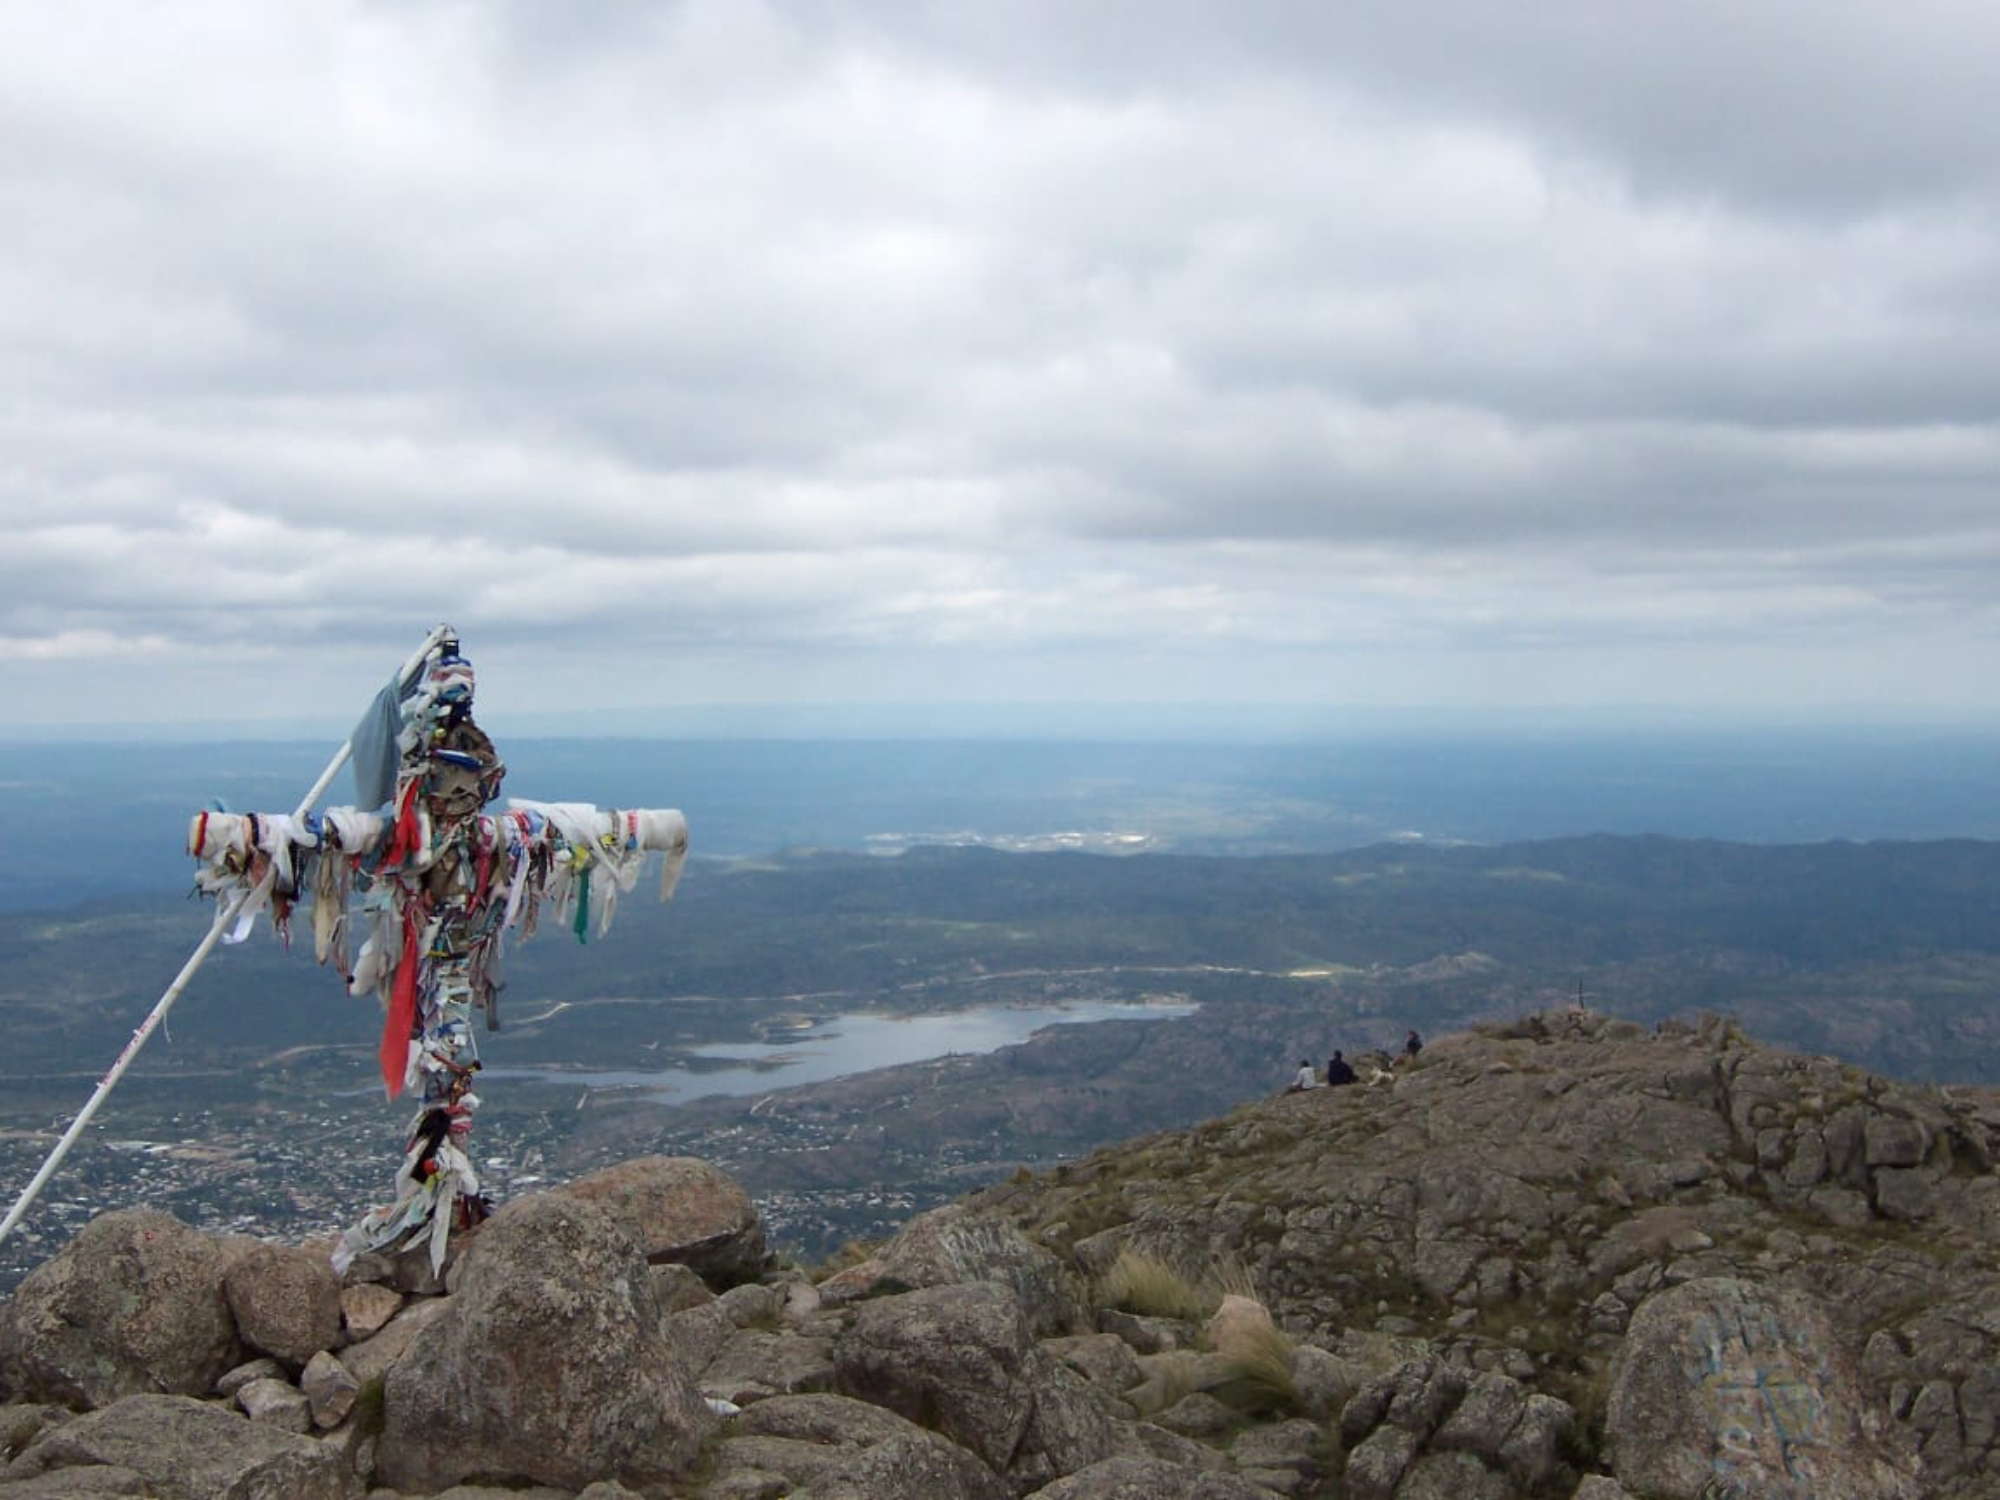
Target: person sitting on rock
<point>1338,1070</point>
<point>1306,1079</point>
<point>1412,1046</point>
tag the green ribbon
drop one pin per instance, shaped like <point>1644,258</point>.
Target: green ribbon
<point>581,926</point>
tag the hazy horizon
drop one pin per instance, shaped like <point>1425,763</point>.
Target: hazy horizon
<point>117,809</point>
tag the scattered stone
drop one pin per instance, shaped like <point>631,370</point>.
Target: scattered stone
<point>261,1368</point>
<point>83,1483</point>
<point>22,1423</point>
<point>952,1245</point>
<point>1104,1359</point>
<point>698,1334</point>
<point>366,1308</point>
<point>410,1271</point>
<point>1326,1382</point>
<point>1377,1464</point>
<point>680,1209</point>
<point>1452,1476</point>
<point>373,1358</point>
<point>1147,1335</point>
<point>549,1365</point>
<point>1893,1141</point>
<point>837,1448</point>
<point>677,1287</point>
<point>1278,1445</point>
<point>133,1304</point>
<point>330,1389</point>
<point>753,1305</point>
<point>186,1449</point>
<point>286,1301</point>
<point>277,1403</point>
<point>1199,1415</point>
<point>960,1360</point>
<point>757,1363</point>
<point>1129,1478</point>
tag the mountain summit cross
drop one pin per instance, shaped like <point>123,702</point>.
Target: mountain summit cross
<point>437,882</point>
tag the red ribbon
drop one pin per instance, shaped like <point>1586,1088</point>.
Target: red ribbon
<point>407,839</point>
<point>402,1017</point>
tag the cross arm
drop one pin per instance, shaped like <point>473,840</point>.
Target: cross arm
<point>540,848</point>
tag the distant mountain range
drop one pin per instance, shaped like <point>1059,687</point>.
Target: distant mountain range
<point>86,821</point>
<point>1887,953</point>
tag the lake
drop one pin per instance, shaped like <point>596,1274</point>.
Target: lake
<point>841,1045</point>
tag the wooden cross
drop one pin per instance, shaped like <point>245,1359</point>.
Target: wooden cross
<point>437,882</point>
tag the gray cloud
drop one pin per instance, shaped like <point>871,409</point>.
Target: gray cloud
<point>812,349</point>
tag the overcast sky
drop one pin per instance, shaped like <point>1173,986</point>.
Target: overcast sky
<point>1465,355</point>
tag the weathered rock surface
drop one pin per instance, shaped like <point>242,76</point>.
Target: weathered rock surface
<point>961,1360</point>
<point>755,1363</point>
<point>22,1422</point>
<point>183,1449</point>
<point>81,1484</point>
<point>275,1403</point>
<point>373,1358</point>
<point>1104,1359</point>
<point>1561,1258</point>
<point>682,1210</point>
<point>134,1304</point>
<point>549,1364</point>
<point>1515,1196</point>
<point>330,1389</point>
<point>1147,1479</point>
<point>836,1448</point>
<point>365,1308</point>
<point>286,1301</point>
<point>949,1246</point>
<point>1724,1384</point>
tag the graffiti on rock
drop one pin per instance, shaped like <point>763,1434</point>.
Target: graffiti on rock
<point>1765,1403</point>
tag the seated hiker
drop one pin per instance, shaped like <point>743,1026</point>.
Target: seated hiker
<point>1412,1046</point>
<point>1338,1071</point>
<point>1307,1079</point>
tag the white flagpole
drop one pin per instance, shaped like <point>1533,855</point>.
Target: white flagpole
<point>223,918</point>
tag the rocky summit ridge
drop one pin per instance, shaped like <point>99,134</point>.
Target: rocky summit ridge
<point>1563,1256</point>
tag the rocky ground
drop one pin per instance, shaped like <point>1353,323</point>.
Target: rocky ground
<point>1563,1257</point>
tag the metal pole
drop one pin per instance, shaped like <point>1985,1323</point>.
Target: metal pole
<point>223,918</point>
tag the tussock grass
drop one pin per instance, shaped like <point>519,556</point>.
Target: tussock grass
<point>1261,1358</point>
<point>1153,1287</point>
<point>1230,1277</point>
<point>1144,1284</point>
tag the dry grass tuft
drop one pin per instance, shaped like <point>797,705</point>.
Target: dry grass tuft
<point>1261,1357</point>
<point>1146,1285</point>
<point>1230,1277</point>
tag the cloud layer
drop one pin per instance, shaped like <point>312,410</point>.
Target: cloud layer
<point>826,352</point>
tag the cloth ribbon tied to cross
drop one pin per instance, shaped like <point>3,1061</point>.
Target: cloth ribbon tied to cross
<point>430,882</point>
